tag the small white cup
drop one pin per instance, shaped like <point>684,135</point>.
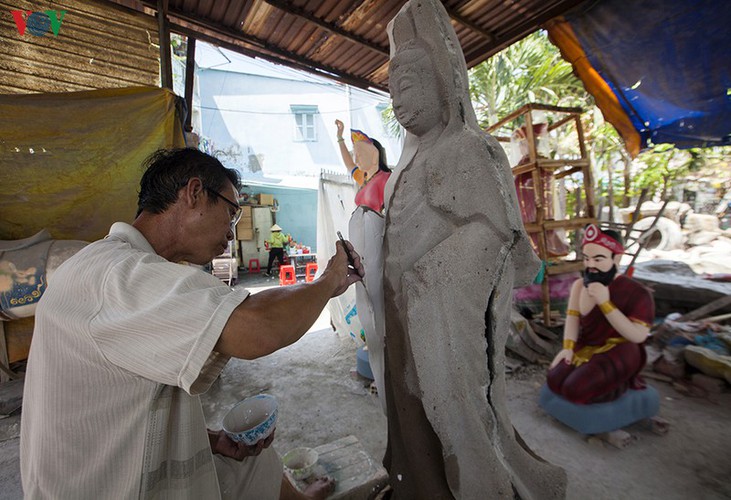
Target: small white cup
<point>300,462</point>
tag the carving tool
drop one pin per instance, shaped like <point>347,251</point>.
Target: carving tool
<point>350,257</point>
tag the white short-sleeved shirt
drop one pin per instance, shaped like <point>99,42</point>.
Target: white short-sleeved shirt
<point>123,345</point>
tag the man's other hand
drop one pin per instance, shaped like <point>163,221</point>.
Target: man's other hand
<point>227,447</point>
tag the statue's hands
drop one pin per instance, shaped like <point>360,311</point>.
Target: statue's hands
<point>565,355</point>
<point>341,128</point>
<point>598,292</point>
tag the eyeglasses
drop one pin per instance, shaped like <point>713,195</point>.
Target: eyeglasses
<point>237,215</point>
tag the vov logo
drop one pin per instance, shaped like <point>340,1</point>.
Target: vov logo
<point>38,23</point>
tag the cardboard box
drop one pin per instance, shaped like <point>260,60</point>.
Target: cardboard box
<point>244,234</point>
<point>244,224</point>
<point>266,199</point>
<point>245,211</point>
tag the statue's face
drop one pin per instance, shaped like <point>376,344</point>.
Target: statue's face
<point>597,258</point>
<point>599,265</point>
<point>413,87</point>
<point>365,156</point>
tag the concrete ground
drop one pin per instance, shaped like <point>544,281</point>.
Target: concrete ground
<point>321,401</point>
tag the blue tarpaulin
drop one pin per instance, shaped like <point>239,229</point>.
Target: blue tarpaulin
<point>668,62</point>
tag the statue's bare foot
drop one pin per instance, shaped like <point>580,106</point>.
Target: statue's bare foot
<point>320,488</point>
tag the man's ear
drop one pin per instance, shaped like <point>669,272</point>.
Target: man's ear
<point>191,193</point>
<point>617,258</point>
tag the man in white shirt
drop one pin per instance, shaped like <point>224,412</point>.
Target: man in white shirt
<point>126,339</point>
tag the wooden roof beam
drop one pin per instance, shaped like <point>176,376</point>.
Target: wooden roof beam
<point>333,28</point>
<point>469,24</point>
<point>254,47</point>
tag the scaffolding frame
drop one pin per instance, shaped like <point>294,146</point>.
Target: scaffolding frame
<point>559,168</point>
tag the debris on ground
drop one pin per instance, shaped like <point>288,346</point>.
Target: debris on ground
<point>693,351</point>
<point>528,342</point>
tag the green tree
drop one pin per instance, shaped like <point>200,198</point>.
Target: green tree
<point>609,155</point>
<point>529,71</point>
<point>390,123</point>
<point>660,166</point>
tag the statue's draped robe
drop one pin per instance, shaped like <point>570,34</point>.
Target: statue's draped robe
<point>365,231</point>
<point>454,247</point>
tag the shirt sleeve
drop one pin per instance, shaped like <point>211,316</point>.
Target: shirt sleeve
<point>161,320</point>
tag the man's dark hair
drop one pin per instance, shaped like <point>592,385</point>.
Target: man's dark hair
<point>382,163</point>
<point>168,170</point>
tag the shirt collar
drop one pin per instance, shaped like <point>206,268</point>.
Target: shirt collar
<point>125,232</point>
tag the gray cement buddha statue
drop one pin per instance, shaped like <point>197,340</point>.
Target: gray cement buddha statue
<point>454,247</point>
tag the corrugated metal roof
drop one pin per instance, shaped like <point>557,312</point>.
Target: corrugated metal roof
<point>346,39</point>
<point>98,46</point>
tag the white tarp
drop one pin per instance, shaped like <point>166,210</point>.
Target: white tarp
<point>335,204</point>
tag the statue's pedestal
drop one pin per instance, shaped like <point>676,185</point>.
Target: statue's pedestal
<point>357,475</point>
<point>598,418</point>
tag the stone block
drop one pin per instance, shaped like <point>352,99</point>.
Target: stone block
<point>710,384</point>
<point>357,476</point>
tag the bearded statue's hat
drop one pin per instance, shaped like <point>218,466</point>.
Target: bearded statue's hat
<point>592,234</point>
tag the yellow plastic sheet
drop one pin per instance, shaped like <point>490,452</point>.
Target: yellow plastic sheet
<point>71,162</point>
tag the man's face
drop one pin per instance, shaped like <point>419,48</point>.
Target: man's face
<point>414,91</point>
<point>599,264</point>
<point>212,229</point>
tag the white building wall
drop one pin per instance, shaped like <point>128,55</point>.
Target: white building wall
<point>249,120</point>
